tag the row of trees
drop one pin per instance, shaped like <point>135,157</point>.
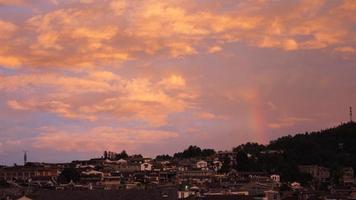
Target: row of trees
<point>122,155</point>
<point>194,151</point>
<point>190,152</point>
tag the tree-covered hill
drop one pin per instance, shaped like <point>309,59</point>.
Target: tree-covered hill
<point>330,148</point>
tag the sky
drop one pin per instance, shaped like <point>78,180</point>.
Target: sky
<point>78,77</point>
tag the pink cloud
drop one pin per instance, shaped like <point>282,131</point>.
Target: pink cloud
<point>87,36</point>
<point>13,2</point>
<point>143,99</point>
<point>288,122</point>
<point>100,139</point>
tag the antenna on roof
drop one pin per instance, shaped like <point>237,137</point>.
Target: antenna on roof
<point>24,157</point>
<point>350,114</point>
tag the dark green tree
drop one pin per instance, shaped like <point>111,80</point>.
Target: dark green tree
<point>226,165</point>
<point>242,161</point>
<point>4,184</point>
<point>164,157</point>
<point>207,152</point>
<point>69,174</point>
<point>122,155</point>
<point>191,152</point>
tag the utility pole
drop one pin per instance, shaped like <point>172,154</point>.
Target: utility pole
<point>350,114</point>
<point>24,157</point>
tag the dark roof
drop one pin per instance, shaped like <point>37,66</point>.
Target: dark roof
<point>152,194</point>
<point>27,168</point>
<point>223,197</point>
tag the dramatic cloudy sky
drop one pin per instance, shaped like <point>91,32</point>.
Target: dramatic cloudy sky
<point>81,76</point>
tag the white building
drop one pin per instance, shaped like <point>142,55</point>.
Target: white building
<point>203,165</point>
<point>276,178</point>
<point>217,165</point>
<point>295,186</point>
<point>146,166</point>
<point>93,172</point>
<point>347,176</point>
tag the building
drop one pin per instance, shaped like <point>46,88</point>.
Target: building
<point>276,178</point>
<point>271,195</point>
<point>203,165</point>
<point>272,152</point>
<point>91,176</point>
<point>222,155</point>
<point>24,198</point>
<point>28,172</point>
<point>255,188</point>
<point>295,186</point>
<point>146,166</point>
<point>321,174</point>
<point>347,176</point>
<point>185,165</point>
<point>217,165</point>
<point>195,175</point>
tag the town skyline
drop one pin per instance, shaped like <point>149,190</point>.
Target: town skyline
<point>320,164</point>
<point>111,154</point>
<point>78,77</point>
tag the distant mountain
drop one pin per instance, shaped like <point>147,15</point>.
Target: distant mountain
<point>330,148</point>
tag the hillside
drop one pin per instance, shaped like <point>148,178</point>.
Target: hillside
<point>330,148</point>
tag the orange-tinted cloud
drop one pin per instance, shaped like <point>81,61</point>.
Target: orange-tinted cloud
<point>345,49</point>
<point>99,138</point>
<point>7,29</point>
<point>215,49</point>
<point>12,2</point>
<point>288,122</point>
<point>119,98</point>
<point>101,33</point>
